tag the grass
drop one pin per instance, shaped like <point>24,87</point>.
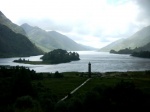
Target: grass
<point>62,86</point>
<point>140,79</point>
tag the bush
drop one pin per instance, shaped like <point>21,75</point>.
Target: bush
<point>58,75</point>
<point>26,104</point>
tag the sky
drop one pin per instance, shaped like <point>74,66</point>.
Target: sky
<point>95,23</point>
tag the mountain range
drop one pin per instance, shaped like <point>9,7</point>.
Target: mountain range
<point>139,39</point>
<point>26,40</point>
<point>13,40</point>
<point>49,40</point>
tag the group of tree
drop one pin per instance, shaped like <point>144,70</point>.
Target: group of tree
<point>60,56</point>
<point>142,54</point>
<point>21,60</point>
<point>58,75</point>
<point>15,82</point>
<point>12,71</point>
<point>135,53</point>
<point>122,51</point>
<point>18,93</point>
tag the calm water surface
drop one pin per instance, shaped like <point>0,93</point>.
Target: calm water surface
<point>100,62</point>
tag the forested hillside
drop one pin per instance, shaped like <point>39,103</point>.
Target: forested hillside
<point>14,44</point>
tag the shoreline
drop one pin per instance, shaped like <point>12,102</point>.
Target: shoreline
<point>41,62</point>
<point>107,72</point>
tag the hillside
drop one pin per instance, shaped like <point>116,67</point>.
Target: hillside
<point>5,21</point>
<point>138,39</point>
<point>144,48</point>
<point>137,51</point>
<point>13,44</point>
<point>51,40</point>
<point>113,45</point>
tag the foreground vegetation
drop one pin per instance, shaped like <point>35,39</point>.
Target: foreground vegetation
<point>23,90</point>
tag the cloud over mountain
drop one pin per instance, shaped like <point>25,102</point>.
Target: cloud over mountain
<point>103,20</point>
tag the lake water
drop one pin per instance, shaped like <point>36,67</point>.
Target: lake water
<point>100,62</point>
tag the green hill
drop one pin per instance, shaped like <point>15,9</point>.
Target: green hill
<point>51,40</point>
<point>113,45</point>
<point>137,51</point>
<point>5,21</point>
<point>14,44</point>
<point>139,39</point>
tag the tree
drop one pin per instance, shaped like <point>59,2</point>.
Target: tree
<point>60,56</point>
<point>58,75</point>
<point>22,84</point>
<point>27,104</point>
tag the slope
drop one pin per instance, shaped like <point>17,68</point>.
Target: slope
<point>51,40</point>
<point>5,21</point>
<point>13,44</point>
<point>138,39</point>
<point>143,48</point>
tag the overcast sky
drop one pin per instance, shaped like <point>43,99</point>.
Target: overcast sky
<point>90,22</point>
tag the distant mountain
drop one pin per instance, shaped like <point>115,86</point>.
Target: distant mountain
<point>5,21</point>
<point>113,46</point>
<point>51,40</point>
<point>142,52</point>
<point>139,39</point>
<point>14,44</point>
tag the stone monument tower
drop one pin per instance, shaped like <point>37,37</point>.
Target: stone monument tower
<point>89,69</point>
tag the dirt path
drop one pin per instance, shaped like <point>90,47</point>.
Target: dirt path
<point>74,90</point>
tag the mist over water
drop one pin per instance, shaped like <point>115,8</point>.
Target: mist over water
<point>100,62</point>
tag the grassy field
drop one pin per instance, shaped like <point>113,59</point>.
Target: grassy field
<point>44,91</point>
<point>92,95</point>
<point>140,79</point>
<point>62,86</point>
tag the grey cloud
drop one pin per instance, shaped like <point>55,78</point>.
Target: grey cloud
<point>52,25</point>
<point>82,30</point>
<point>132,28</point>
<point>144,6</point>
<point>48,24</point>
<point>105,39</point>
<point>66,27</point>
